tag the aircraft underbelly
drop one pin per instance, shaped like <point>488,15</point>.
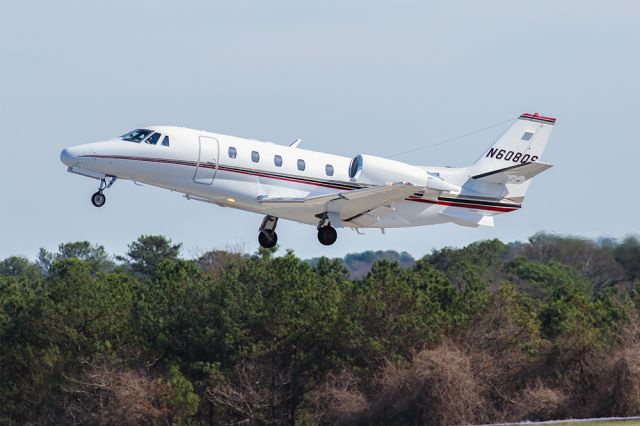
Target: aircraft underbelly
<point>245,191</point>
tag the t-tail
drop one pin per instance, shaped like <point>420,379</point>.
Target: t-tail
<point>505,169</point>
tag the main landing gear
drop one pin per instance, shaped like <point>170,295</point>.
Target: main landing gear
<point>327,234</point>
<point>98,199</point>
<point>267,236</point>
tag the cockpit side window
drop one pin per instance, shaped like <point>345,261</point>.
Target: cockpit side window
<point>153,139</point>
<point>165,141</point>
<point>137,135</point>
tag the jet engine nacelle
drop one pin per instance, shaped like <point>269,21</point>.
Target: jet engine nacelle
<point>369,169</point>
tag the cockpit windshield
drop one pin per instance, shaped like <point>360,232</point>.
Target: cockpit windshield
<point>137,135</point>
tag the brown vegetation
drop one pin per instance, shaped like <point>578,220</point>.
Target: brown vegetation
<point>437,387</point>
<point>491,332</point>
<point>103,395</point>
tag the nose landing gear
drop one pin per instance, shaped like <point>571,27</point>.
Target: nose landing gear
<point>267,236</point>
<point>98,199</point>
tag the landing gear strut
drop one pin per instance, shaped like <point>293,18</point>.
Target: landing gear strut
<point>267,236</point>
<point>98,199</point>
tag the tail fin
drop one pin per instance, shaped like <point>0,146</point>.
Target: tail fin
<point>522,143</point>
<point>504,169</point>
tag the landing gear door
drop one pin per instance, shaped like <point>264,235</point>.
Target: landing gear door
<point>207,165</point>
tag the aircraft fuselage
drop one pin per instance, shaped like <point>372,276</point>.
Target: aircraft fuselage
<point>291,183</point>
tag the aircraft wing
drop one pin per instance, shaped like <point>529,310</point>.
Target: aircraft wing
<point>359,207</point>
<point>514,174</point>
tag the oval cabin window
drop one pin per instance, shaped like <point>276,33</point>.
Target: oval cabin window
<point>328,169</point>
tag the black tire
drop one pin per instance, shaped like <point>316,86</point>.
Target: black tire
<point>267,239</point>
<point>98,199</point>
<point>327,235</point>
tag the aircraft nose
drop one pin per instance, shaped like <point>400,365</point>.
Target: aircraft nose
<point>68,156</point>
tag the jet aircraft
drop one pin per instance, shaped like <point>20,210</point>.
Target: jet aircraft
<point>324,190</point>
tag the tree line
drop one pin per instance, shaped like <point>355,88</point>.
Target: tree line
<point>491,332</point>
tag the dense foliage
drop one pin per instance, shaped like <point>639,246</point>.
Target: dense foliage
<point>489,332</point>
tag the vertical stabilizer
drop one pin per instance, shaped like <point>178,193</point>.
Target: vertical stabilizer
<point>522,143</point>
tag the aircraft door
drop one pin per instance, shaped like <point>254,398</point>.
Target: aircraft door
<point>207,165</point>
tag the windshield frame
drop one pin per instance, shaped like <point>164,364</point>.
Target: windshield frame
<point>133,136</point>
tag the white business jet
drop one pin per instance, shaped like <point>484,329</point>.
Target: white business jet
<point>324,190</point>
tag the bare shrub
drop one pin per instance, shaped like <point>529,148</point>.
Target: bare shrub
<point>103,395</point>
<point>246,398</point>
<point>437,388</point>
<point>625,391</point>
<point>539,402</point>
<point>338,401</point>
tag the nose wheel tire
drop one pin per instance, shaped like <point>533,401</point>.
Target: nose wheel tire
<point>267,239</point>
<point>327,235</point>
<point>98,199</point>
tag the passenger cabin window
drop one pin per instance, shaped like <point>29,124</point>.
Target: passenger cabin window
<point>165,141</point>
<point>328,169</point>
<point>233,153</point>
<point>301,165</point>
<point>277,160</point>
<point>255,156</point>
<point>137,135</point>
<point>153,139</point>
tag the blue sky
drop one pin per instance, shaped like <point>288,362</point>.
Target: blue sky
<point>347,77</point>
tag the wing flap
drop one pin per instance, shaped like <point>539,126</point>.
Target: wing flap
<point>297,202</point>
<point>371,217</point>
<point>514,174</point>
<point>359,206</point>
<point>360,201</point>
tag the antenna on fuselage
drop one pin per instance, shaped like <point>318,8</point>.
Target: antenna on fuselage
<point>295,143</point>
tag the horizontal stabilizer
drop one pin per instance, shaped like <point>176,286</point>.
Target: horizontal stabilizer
<point>514,174</point>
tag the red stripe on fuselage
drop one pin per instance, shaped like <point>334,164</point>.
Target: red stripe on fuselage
<point>306,182</point>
